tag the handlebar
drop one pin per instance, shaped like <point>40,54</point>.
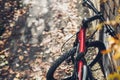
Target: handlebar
<point>90,5</point>
<point>88,20</point>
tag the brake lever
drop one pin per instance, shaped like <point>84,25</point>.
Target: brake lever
<point>111,32</point>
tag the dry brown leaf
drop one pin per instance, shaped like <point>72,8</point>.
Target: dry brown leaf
<point>43,78</point>
<point>5,68</point>
<point>11,71</point>
<point>1,43</point>
<point>19,50</point>
<point>103,1</point>
<point>17,75</point>
<point>106,51</point>
<point>4,51</point>
<point>16,79</point>
<point>21,58</point>
<point>38,60</point>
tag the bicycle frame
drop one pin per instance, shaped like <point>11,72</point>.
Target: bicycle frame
<point>82,33</point>
<point>81,39</point>
<point>82,71</point>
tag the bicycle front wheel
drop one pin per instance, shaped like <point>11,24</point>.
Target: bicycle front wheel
<point>52,75</point>
<point>51,72</point>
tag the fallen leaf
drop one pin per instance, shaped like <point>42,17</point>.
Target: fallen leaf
<point>21,58</point>
<point>103,1</point>
<point>1,43</point>
<point>106,51</point>
<point>17,75</point>
<point>15,79</point>
<point>5,68</point>
<point>116,56</point>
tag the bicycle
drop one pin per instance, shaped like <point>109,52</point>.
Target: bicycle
<point>82,70</point>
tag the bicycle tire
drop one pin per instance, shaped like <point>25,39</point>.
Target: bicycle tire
<point>58,62</point>
<point>52,69</point>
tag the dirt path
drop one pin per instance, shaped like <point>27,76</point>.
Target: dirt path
<point>36,37</point>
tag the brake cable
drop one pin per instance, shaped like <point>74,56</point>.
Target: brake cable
<point>67,41</point>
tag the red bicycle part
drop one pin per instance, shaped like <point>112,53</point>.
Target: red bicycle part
<point>81,38</point>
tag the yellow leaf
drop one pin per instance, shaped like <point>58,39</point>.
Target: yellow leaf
<point>116,56</point>
<point>118,68</point>
<point>116,47</point>
<point>119,11</point>
<point>99,26</point>
<point>114,76</point>
<point>112,40</point>
<point>117,19</point>
<point>112,23</point>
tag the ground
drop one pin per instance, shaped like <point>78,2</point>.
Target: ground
<point>34,35</point>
